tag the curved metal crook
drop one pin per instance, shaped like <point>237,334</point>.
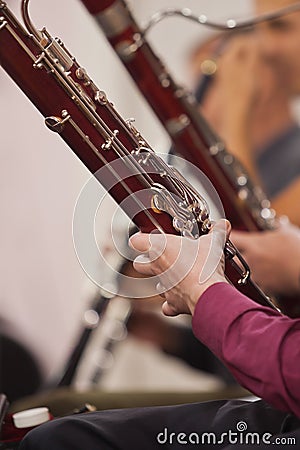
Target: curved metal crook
<point>231,24</point>
<point>27,21</point>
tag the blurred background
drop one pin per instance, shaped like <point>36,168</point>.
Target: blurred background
<point>43,288</point>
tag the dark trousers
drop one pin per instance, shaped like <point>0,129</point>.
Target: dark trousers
<point>221,424</point>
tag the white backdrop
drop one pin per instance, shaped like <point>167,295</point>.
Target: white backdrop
<point>42,286</point>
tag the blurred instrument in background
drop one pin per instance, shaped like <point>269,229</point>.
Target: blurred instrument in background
<point>245,204</point>
<point>154,195</point>
<point>98,355</point>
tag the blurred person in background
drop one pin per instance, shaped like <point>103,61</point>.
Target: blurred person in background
<point>279,44</point>
<point>20,374</point>
<point>257,343</point>
<point>248,105</point>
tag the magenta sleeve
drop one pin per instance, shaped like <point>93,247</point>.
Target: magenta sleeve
<point>260,346</point>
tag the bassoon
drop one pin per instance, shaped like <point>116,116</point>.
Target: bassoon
<point>154,195</point>
<point>245,204</point>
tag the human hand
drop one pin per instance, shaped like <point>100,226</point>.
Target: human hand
<point>184,267</point>
<point>238,77</point>
<point>236,95</point>
<point>235,86</point>
<point>273,257</point>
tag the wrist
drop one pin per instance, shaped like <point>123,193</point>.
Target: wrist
<point>201,289</point>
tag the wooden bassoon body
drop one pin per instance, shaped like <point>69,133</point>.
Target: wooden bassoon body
<point>154,195</point>
<point>245,204</point>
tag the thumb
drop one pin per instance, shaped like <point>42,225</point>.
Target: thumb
<point>169,310</point>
